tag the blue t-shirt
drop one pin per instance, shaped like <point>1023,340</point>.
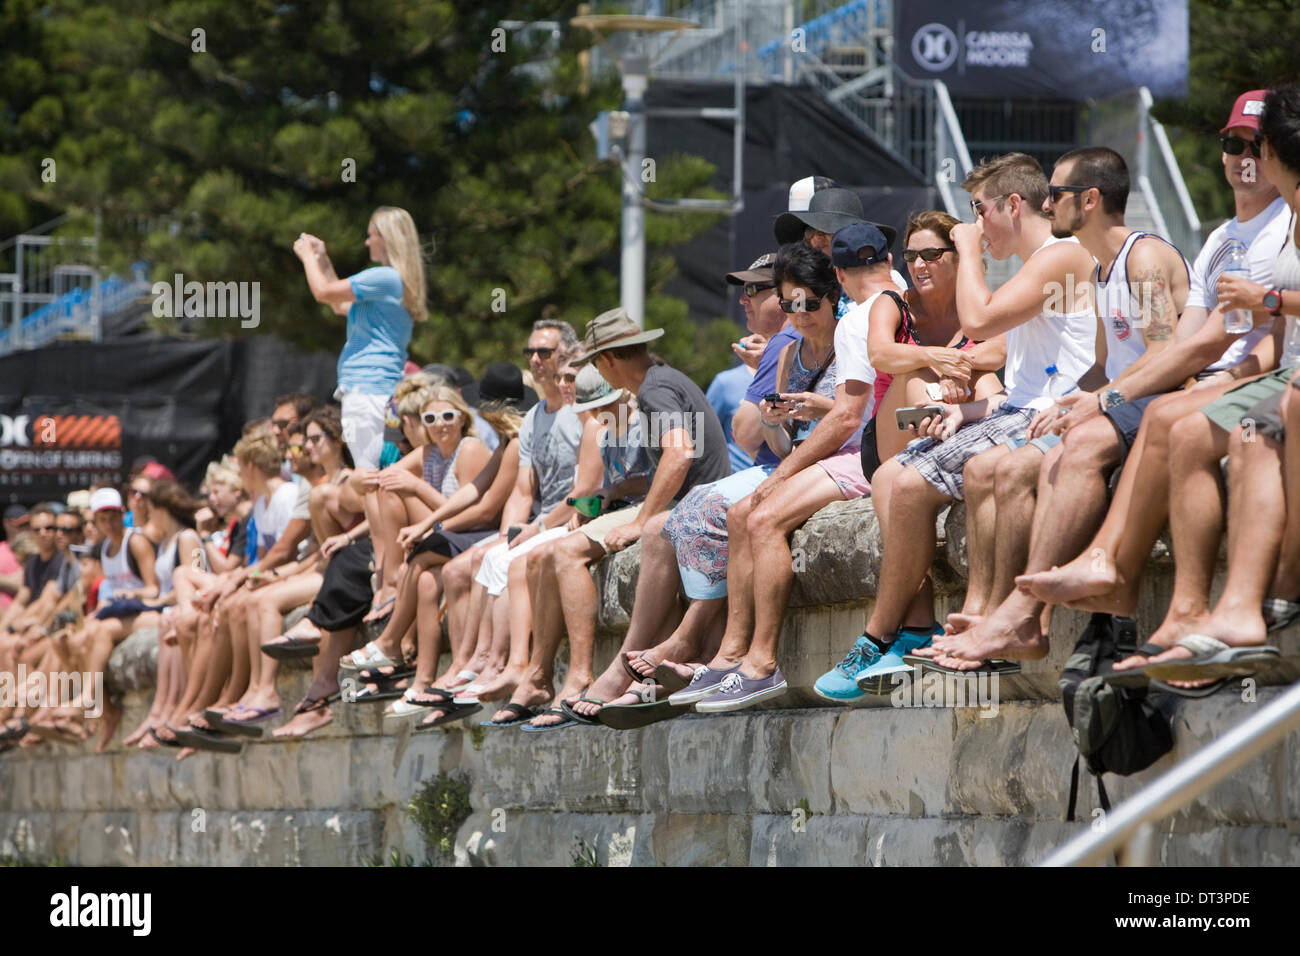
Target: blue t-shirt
<point>764,382</point>
<point>726,392</point>
<point>379,329</point>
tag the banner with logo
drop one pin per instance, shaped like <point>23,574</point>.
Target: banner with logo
<point>1068,49</point>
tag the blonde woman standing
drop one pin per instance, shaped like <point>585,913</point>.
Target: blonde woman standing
<point>381,303</point>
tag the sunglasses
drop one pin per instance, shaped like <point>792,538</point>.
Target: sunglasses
<point>754,288</point>
<point>295,449</point>
<point>1235,145</point>
<point>136,493</point>
<point>567,377</point>
<point>1054,192</point>
<point>810,304</point>
<point>282,423</point>
<point>977,205</point>
<point>313,439</point>
<point>542,354</point>
<point>929,255</point>
<point>444,417</point>
<point>67,529</point>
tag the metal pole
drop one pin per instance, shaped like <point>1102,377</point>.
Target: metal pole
<point>636,71</point>
<point>1186,781</point>
<point>738,132</point>
<point>789,38</point>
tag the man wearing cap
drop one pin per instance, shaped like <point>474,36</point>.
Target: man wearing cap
<point>731,391</point>
<point>563,594</point>
<point>1185,434</point>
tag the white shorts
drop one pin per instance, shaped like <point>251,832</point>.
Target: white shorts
<point>363,426</point>
<point>492,573</point>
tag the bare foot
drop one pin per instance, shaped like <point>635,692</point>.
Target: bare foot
<point>684,671</point>
<point>108,726</point>
<point>958,623</point>
<point>311,714</point>
<point>1006,634</point>
<point>382,604</point>
<point>1091,582</point>
<point>142,731</point>
<point>501,686</point>
<point>642,663</point>
<point>1236,628</point>
<point>611,684</point>
<point>525,695</point>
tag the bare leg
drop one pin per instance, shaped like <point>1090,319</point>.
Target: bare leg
<point>981,518</point>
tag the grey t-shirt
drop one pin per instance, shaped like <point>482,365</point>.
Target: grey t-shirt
<point>668,400</point>
<point>548,442</point>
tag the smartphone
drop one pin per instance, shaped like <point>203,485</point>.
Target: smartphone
<point>907,417</point>
<point>773,398</point>
<point>934,391</point>
<point>513,532</point>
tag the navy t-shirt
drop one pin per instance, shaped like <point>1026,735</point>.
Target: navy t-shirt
<point>764,382</point>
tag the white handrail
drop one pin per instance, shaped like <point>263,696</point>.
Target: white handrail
<point>1185,782</point>
<point>1171,163</point>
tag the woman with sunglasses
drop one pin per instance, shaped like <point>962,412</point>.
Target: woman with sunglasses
<point>137,503</point>
<point>916,342</point>
<point>381,303</point>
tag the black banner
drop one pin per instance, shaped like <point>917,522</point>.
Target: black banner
<point>1069,49</point>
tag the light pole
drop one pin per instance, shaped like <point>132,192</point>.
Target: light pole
<point>636,77</point>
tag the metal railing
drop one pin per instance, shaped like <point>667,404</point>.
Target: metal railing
<point>77,312</point>
<point>952,158</point>
<point>1131,824</point>
<point>1161,182</point>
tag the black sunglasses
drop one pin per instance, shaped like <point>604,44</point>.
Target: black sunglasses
<point>1054,192</point>
<point>810,304</point>
<point>929,255</point>
<point>542,354</point>
<point>754,288</point>
<point>1235,145</point>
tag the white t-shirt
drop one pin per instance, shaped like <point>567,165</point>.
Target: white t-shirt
<point>1264,236</point>
<point>271,519</point>
<point>852,358</point>
<point>1066,340</point>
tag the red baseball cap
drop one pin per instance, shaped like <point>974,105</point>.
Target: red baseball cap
<point>1246,111</point>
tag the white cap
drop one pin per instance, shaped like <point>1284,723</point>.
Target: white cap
<point>801,192</point>
<point>105,498</point>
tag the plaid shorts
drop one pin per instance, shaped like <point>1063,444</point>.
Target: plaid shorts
<point>941,462</point>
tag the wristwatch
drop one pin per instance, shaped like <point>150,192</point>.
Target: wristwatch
<point>1110,398</point>
<point>1273,302</point>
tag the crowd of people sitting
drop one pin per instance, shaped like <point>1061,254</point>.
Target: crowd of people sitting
<point>1107,389</point>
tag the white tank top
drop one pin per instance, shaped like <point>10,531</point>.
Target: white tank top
<point>117,567</point>
<point>168,555</point>
<point>1120,311</point>
<point>1064,339</point>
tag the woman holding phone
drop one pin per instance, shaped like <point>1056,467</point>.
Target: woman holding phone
<point>381,303</point>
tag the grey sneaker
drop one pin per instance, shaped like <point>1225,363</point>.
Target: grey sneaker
<point>738,692</point>
<point>703,684</point>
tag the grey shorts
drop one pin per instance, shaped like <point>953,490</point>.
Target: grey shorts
<point>941,462</point>
<point>1232,406</point>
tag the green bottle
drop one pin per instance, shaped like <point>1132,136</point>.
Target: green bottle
<point>589,505</point>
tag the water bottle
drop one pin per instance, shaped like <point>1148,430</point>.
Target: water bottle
<point>588,505</point>
<point>1291,347</point>
<point>1237,321</point>
<point>1058,386</point>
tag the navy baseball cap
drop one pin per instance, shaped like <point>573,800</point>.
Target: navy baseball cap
<point>859,244</point>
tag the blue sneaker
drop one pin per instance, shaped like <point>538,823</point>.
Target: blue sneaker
<point>838,684</point>
<point>879,677</point>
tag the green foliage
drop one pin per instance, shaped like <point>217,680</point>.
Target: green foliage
<point>395,859</point>
<point>1233,48</point>
<point>210,163</point>
<point>583,853</point>
<point>23,859</point>
<point>438,808</point>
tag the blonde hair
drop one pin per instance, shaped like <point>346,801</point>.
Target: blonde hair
<point>441,393</point>
<point>402,244</point>
<point>221,473</point>
<point>504,419</point>
<point>261,451</point>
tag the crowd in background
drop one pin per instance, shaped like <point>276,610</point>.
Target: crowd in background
<point>1106,390</point>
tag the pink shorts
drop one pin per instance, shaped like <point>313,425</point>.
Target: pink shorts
<point>845,469</point>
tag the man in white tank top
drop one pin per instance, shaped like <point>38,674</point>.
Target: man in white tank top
<point>911,489</point>
<point>1052,491</point>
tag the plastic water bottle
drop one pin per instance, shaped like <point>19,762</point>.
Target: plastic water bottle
<point>1058,386</point>
<point>1237,321</point>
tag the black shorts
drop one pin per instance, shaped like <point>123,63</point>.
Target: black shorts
<point>451,543</point>
<point>1127,419</point>
<point>345,594</point>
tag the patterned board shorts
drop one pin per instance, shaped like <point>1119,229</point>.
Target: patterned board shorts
<point>941,462</point>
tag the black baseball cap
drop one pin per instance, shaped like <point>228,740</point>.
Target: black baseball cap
<point>859,244</point>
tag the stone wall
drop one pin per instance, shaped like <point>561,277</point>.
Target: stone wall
<point>798,783</point>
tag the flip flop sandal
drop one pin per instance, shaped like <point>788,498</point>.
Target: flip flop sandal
<point>163,741</point>
<point>291,649</point>
<point>1132,676</point>
<point>1194,693</point>
<point>989,668</point>
<point>259,714</point>
<point>208,740</point>
<point>568,710</point>
<point>381,692</point>
<point>407,705</point>
<point>309,705</point>
<point>627,667</point>
<point>522,715</point>
<point>218,723</point>
<point>372,675</point>
<point>453,714</point>
<point>564,721</point>
<point>633,716</point>
<point>669,679</point>
<point>1213,658</point>
<point>369,656</point>
<point>1279,613</point>
<point>376,609</point>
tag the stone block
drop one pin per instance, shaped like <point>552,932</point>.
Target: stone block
<point>891,761</point>
<point>696,839</point>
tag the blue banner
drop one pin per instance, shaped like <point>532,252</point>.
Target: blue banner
<point>1071,49</point>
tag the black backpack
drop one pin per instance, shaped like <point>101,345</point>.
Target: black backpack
<point>1117,729</point>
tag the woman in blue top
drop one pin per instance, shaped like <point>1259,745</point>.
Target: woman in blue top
<point>380,303</point>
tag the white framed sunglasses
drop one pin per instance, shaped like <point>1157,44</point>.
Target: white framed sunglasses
<point>439,418</point>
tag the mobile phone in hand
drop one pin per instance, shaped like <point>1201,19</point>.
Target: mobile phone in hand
<point>513,532</point>
<point>773,398</point>
<point>909,417</point>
